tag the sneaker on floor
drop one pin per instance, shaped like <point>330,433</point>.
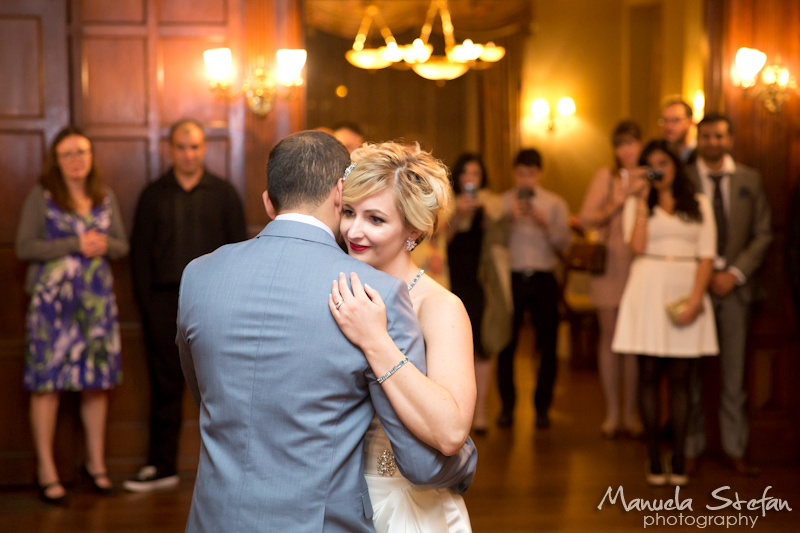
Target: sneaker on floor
<point>149,479</point>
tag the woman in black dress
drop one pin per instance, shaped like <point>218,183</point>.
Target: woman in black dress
<point>464,251</point>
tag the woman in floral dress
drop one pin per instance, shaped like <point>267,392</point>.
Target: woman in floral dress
<point>70,227</point>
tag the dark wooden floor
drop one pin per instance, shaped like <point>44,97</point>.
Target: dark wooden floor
<point>527,480</point>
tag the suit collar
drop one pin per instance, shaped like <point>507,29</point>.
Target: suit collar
<point>307,219</point>
<point>297,230</point>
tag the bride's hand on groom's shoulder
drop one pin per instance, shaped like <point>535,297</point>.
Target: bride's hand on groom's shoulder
<point>360,312</point>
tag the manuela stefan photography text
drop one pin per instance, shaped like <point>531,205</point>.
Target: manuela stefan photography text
<point>722,495</point>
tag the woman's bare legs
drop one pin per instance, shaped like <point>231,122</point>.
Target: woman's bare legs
<point>94,411</point>
<point>609,366</point>
<point>43,413</point>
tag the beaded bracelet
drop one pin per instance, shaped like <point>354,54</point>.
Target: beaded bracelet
<point>394,369</point>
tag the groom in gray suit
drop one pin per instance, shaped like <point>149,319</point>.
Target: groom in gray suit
<point>744,232</point>
<point>285,399</point>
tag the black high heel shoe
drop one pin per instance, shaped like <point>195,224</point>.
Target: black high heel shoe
<point>52,500</point>
<point>105,491</point>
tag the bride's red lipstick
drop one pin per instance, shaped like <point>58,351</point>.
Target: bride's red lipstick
<point>357,248</point>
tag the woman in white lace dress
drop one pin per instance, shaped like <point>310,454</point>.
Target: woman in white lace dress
<point>393,197</point>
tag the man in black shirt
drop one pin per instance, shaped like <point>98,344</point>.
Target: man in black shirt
<point>186,213</point>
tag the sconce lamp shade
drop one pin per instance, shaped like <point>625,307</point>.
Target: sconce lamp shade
<point>748,62</point>
<point>290,64</point>
<point>777,75</point>
<point>540,109</point>
<point>566,107</point>
<point>218,62</point>
<point>440,68</point>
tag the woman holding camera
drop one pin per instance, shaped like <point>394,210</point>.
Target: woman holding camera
<point>602,211</point>
<point>465,251</point>
<point>665,315</point>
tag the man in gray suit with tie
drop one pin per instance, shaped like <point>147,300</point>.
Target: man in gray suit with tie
<point>285,399</point>
<point>744,232</point>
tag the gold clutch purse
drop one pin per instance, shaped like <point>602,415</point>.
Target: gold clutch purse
<point>674,309</point>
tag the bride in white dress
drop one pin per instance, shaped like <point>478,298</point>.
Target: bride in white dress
<point>393,197</point>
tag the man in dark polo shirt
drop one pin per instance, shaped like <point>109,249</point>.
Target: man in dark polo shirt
<point>186,213</point>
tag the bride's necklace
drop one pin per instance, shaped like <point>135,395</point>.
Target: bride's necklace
<point>416,278</point>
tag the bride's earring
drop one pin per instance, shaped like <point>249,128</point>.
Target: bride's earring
<point>410,244</point>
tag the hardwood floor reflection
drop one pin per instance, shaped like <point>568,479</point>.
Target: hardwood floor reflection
<point>527,481</point>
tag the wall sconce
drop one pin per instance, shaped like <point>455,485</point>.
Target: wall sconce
<point>261,86</point>
<point>775,85</point>
<point>541,111</point>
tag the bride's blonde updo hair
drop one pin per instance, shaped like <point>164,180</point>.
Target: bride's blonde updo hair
<point>419,181</point>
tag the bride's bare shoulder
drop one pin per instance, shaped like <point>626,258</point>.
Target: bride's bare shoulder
<point>436,302</point>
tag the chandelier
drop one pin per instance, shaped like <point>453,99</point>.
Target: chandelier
<point>458,58</point>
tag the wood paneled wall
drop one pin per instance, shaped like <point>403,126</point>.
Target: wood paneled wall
<point>124,71</point>
<point>769,142</point>
<point>137,67</point>
<point>35,105</point>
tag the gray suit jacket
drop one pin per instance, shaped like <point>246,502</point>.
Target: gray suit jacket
<point>284,397</point>
<point>749,224</point>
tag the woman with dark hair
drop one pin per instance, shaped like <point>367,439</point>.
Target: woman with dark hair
<point>602,212</point>
<point>665,315</point>
<point>70,227</point>
<point>466,240</point>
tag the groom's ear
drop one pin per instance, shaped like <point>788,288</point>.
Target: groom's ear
<point>339,191</point>
<point>271,213</point>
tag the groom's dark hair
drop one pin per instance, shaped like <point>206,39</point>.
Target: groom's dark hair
<point>303,168</point>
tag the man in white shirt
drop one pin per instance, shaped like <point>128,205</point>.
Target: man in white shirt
<point>744,233</point>
<point>539,232</point>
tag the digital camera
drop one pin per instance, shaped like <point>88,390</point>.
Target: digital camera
<point>654,176</point>
<point>525,193</point>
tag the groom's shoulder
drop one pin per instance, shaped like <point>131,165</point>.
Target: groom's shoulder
<point>227,253</point>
